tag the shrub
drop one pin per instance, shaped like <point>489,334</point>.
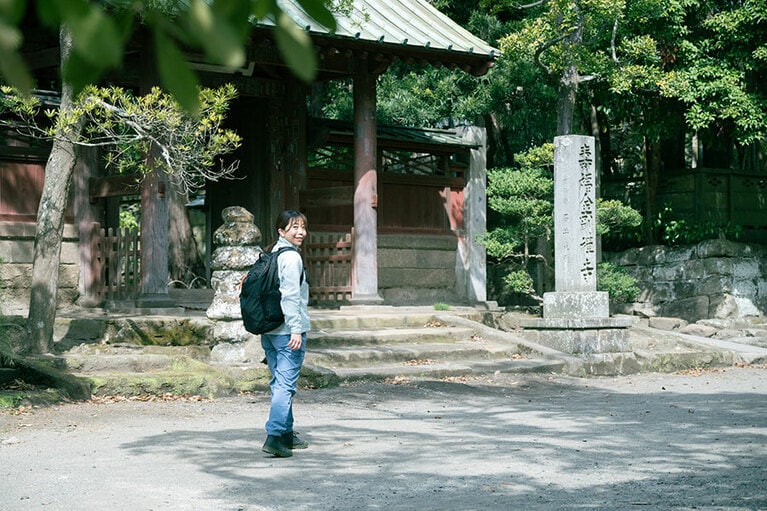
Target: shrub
<point>518,281</point>
<point>616,281</point>
<point>618,224</point>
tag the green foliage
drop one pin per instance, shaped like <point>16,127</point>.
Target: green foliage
<point>130,216</point>
<point>621,286</point>
<point>523,198</point>
<point>217,28</point>
<point>676,231</point>
<point>441,307</point>
<point>518,281</point>
<point>524,201</point>
<point>614,216</point>
<point>618,224</point>
<point>186,146</point>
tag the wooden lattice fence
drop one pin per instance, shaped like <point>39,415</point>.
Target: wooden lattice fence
<point>116,264</point>
<point>328,259</point>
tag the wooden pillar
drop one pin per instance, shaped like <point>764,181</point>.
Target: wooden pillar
<point>154,243</point>
<point>295,143</point>
<point>154,228</point>
<point>86,215</point>
<point>365,260</point>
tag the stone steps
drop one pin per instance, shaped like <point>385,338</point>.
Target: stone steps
<point>426,345</point>
<point>348,345</point>
<point>354,356</point>
<point>352,344</point>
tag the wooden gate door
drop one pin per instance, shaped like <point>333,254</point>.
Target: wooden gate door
<point>328,259</point>
<point>116,264</point>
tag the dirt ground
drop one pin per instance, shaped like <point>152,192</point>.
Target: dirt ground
<point>696,440</point>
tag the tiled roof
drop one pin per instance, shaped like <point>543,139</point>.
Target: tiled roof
<point>446,140</point>
<point>407,23</point>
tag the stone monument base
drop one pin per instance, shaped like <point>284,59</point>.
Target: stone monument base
<point>579,323</point>
<point>576,305</point>
<point>584,336</point>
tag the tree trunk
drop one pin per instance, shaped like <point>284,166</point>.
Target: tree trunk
<point>50,228</point>
<point>568,87</point>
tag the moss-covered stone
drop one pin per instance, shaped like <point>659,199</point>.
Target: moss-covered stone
<point>42,372</point>
<point>163,331</point>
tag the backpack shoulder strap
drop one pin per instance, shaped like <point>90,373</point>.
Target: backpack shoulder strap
<point>283,249</point>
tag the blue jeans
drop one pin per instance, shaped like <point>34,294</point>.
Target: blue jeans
<point>285,366</point>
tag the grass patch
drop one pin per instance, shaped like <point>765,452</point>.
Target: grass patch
<point>441,307</point>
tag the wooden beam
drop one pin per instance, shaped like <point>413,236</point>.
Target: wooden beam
<point>40,59</point>
<point>328,197</point>
<point>113,186</point>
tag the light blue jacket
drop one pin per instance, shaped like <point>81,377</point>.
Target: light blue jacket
<point>294,289</point>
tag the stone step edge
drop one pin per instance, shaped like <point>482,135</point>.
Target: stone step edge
<point>355,356</point>
<point>465,368</point>
<point>345,335</point>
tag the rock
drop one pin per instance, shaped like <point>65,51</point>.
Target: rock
<point>727,333</point>
<point>699,330</point>
<point>664,323</point>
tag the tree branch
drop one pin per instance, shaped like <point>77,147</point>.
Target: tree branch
<point>544,47</point>
<point>534,4</point>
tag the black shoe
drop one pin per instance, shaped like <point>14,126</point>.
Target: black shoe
<point>291,441</point>
<point>274,445</point>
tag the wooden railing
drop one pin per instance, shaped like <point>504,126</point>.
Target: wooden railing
<point>328,259</point>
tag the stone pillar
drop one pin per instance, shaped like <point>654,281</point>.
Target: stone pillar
<point>237,248</point>
<point>576,317</point>
<point>575,263</point>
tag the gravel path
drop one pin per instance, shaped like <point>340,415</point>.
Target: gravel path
<point>532,442</point>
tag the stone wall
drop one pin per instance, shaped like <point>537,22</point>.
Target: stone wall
<point>17,241</point>
<point>417,269</point>
<point>716,279</point>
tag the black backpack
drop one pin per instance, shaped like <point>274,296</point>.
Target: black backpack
<point>260,295</point>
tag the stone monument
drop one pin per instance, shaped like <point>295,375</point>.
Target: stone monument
<point>576,317</point>
<point>237,248</point>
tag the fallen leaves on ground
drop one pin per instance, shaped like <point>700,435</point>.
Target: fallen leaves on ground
<point>698,371</point>
<point>397,380</point>
<point>147,398</point>
<point>19,410</point>
<point>420,362</point>
<point>456,379</point>
<point>744,365</point>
